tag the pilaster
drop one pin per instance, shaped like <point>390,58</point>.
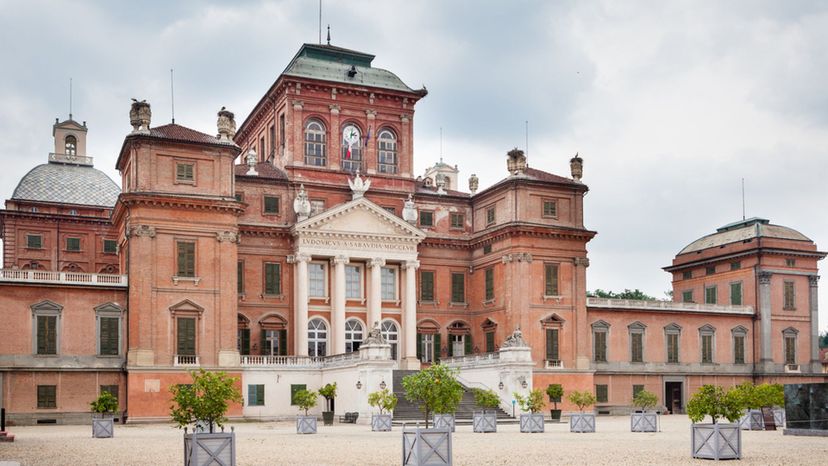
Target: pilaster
<point>375,301</point>
<point>813,305</point>
<point>766,354</point>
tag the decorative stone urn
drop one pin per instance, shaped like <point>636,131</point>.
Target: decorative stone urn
<point>484,421</point>
<point>444,421</point>
<point>531,423</point>
<point>305,424</point>
<point>716,441</point>
<point>582,422</point>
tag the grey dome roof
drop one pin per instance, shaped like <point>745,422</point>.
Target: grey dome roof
<point>741,231</point>
<point>67,184</point>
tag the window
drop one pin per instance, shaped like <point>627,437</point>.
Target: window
<point>458,288</point>
<point>710,270</point>
<point>789,336</point>
<point>739,334</point>
<point>317,338</point>
<point>391,334</point>
<point>240,197</point>
<point>186,336</point>
<point>255,395</point>
<point>282,130</point>
<point>272,138</point>
<point>490,342</point>
<point>636,342</point>
<point>73,212</point>
<point>353,282</point>
<point>429,347</point>
<point>273,278</point>
<point>687,274</point>
<point>186,258</point>
<point>790,262</point>
<point>184,172</point>
<point>317,206</point>
<point>240,277</point>
<point>672,333</point>
<point>390,209</point>
<point>736,294</point>
<point>457,345</point>
<point>70,145</point>
<point>315,146</point>
<point>790,298</point>
<point>351,148</point>
<point>262,148</point>
<point>109,335</point>
<point>489,284</point>
<point>387,152</point>
<point>294,389</point>
<point>111,389</point>
<point>73,244</point>
<point>637,389</point>
<point>457,220</point>
<point>490,216</point>
<point>601,393</point>
<point>687,296</point>
<point>599,342</point>
<point>110,246</point>
<point>706,335</point>
<point>487,249</point>
<point>388,283</point>
<point>550,208</point>
<point>426,286</point>
<point>47,396</point>
<point>710,294</point>
<point>426,218</point>
<point>274,342</point>
<point>736,265</point>
<point>551,279</point>
<point>552,344</point>
<point>47,334</point>
<point>353,335</point>
<point>271,204</point>
<point>243,340</point>
<point>34,241</point>
<point>316,280</point>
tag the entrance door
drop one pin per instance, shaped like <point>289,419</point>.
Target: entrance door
<point>458,345</point>
<point>672,397</point>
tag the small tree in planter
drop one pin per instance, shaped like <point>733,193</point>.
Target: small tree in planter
<point>306,400</point>
<point>329,393</point>
<point>555,392</point>
<point>435,390</point>
<point>483,421</point>
<point>533,402</point>
<point>772,395</point>
<point>103,409</point>
<point>582,422</point>
<point>386,402</point>
<point>206,402</point>
<point>716,441</point>
<point>749,396</point>
<point>643,421</point>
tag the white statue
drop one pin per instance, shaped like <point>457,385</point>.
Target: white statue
<point>301,205</point>
<point>441,182</point>
<point>358,186</point>
<point>251,160</point>
<point>409,212</point>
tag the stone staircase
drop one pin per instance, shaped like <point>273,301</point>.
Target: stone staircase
<point>409,412</point>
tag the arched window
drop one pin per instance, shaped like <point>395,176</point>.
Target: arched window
<point>460,343</point>
<point>315,144</point>
<point>387,151</point>
<point>391,335</point>
<point>70,145</point>
<point>353,335</point>
<point>351,148</point>
<point>317,337</point>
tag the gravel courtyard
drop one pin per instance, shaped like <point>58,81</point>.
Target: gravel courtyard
<point>276,443</point>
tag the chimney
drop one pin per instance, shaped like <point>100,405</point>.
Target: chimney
<point>516,162</point>
<point>140,115</point>
<point>576,166</point>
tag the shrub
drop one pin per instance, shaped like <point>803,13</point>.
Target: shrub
<point>435,390</point>
<point>770,394</point>
<point>206,399</point>
<point>554,391</point>
<point>329,392</point>
<point>486,398</point>
<point>533,402</point>
<point>105,403</point>
<point>383,399</point>
<point>714,401</point>
<point>581,399</point>
<point>645,400</point>
<point>305,399</point>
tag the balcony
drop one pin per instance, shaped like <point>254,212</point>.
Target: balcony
<point>62,278</point>
<point>70,159</point>
<point>300,362</point>
<point>667,306</point>
<point>185,360</point>
<point>473,360</point>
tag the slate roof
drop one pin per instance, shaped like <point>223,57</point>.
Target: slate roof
<point>67,184</point>
<point>741,231</point>
<point>265,169</point>
<point>174,132</point>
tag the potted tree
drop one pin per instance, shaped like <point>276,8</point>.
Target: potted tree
<point>329,393</point>
<point>642,420</point>
<point>581,421</point>
<point>485,421</point>
<point>386,402</point>
<point>206,401</point>
<point>305,399</point>
<point>103,410</point>
<point>716,441</point>
<point>436,390</point>
<point>555,392</point>
<point>772,395</point>
<point>750,397</point>
<point>533,402</point>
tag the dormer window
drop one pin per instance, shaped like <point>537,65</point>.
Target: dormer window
<point>71,145</point>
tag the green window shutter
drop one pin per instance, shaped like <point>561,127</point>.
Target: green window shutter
<point>687,296</point>
<point>549,345</point>
<point>240,277</point>
<point>110,246</point>
<point>601,393</point>
<point>468,343</point>
<point>186,336</point>
<point>552,344</point>
<point>46,334</point>
<point>283,342</point>
<point>263,348</point>
<point>251,395</point>
<point>420,346</point>
<point>427,286</point>
<point>489,284</point>
<point>490,342</point>
<point>271,205</point>
<point>736,294</point>
<point>273,284</point>
<point>245,341</point>
<point>450,347</point>
<point>437,348</point>
<point>739,349</point>
<point>551,280</point>
<point>109,335</point>
<point>458,288</point>
<point>260,396</point>
<point>186,259</point>
<point>73,244</point>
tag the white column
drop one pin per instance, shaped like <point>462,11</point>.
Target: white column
<point>766,358</point>
<point>338,314</point>
<point>409,323</point>
<point>301,304</point>
<point>375,301</point>
<point>813,304</point>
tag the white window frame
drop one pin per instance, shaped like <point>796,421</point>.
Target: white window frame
<point>385,286</point>
<point>387,335</point>
<point>349,282</point>
<point>457,341</point>
<point>354,333</point>
<point>312,280</point>
<point>315,339</point>
<point>427,349</point>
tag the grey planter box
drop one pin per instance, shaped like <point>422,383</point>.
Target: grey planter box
<point>582,422</point>
<point>381,423</point>
<point>531,423</point>
<point>426,447</point>
<point>716,441</point>
<point>217,448</point>
<point>103,426</point>
<point>484,422</point>
<point>305,424</point>
<point>752,420</point>
<point>643,422</point>
<point>779,417</point>
<point>443,421</point>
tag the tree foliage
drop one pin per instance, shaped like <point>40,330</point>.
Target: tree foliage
<point>581,399</point>
<point>435,390</point>
<point>105,403</point>
<point>329,393</point>
<point>206,399</point>
<point>626,294</point>
<point>645,400</point>
<point>305,399</point>
<point>383,399</point>
<point>714,401</point>
<point>533,402</point>
<point>758,396</point>
<point>555,391</point>
<point>486,398</point>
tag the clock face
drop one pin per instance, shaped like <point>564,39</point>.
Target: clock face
<point>350,135</point>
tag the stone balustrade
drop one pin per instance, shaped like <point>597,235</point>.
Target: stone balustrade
<point>472,360</point>
<point>62,278</point>
<point>610,303</point>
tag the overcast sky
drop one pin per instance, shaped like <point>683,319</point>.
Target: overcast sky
<point>669,103</point>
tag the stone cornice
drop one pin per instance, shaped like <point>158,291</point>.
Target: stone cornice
<point>750,252</point>
<point>533,230</point>
<point>54,218</point>
<point>263,231</point>
<point>182,202</point>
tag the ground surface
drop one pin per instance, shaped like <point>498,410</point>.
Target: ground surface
<point>276,443</point>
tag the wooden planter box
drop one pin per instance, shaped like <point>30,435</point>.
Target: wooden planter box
<point>779,417</point>
<point>103,426</point>
<point>643,422</point>
<point>716,441</point>
<point>752,420</point>
<point>426,447</point>
<point>305,424</point>
<point>381,423</point>
<point>582,422</point>
<point>531,423</point>
<point>216,448</point>
<point>484,422</point>
<point>444,421</point>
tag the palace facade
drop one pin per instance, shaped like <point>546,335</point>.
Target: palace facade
<point>272,251</point>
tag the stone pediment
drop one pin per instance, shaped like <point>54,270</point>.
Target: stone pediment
<point>359,217</point>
